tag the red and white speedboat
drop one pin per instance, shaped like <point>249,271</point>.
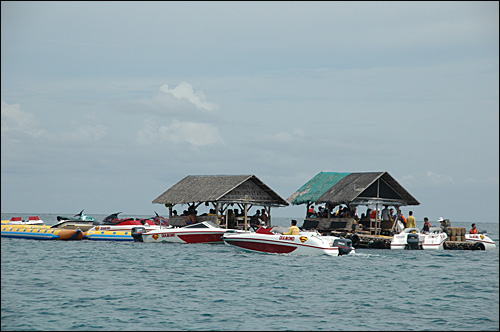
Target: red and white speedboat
<point>203,232</point>
<point>32,220</point>
<point>306,243</point>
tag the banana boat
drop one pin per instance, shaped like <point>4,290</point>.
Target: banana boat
<point>109,235</point>
<point>40,232</point>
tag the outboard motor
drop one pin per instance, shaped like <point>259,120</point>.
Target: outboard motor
<point>137,233</point>
<point>344,245</point>
<point>412,241</point>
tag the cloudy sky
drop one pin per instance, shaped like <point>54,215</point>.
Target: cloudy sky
<point>105,105</point>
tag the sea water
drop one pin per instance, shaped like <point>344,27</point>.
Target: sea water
<point>96,286</point>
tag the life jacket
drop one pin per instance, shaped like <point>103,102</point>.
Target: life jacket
<point>473,231</point>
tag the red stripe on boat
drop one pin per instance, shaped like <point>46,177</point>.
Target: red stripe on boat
<point>201,238</point>
<point>263,247</point>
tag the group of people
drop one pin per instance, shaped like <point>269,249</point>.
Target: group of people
<point>190,213</point>
<point>258,219</point>
<point>410,222</point>
<point>444,225</point>
<point>341,212</point>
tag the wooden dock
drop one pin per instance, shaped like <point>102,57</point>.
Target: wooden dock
<point>365,240</point>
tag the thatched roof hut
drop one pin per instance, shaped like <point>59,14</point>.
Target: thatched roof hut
<point>353,189</point>
<point>221,191</point>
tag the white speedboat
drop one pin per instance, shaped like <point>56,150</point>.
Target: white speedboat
<point>482,241</point>
<point>202,232</point>
<point>306,243</point>
<point>412,238</point>
<point>128,227</point>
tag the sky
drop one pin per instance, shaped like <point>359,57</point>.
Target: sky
<point>105,105</point>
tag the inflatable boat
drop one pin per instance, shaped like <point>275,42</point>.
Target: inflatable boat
<point>109,235</point>
<point>34,232</point>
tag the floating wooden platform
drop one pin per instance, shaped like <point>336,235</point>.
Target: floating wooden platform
<point>460,245</point>
<point>363,240</point>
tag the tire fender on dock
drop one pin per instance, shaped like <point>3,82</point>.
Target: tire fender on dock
<point>355,240</point>
<point>478,246</point>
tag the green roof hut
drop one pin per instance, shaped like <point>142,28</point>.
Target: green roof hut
<point>333,189</point>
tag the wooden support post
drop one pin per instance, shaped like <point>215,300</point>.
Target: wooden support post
<point>246,217</point>
<point>268,216</point>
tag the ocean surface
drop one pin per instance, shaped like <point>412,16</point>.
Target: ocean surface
<point>113,286</point>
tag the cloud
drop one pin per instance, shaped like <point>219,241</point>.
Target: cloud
<point>194,133</point>
<point>438,177</point>
<point>86,134</point>
<point>16,123</point>
<point>286,137</point>
<point>289,137</point>
<point>185,91</point>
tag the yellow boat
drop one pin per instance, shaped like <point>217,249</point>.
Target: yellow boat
<point>109,235</point>
<point>40,232</point>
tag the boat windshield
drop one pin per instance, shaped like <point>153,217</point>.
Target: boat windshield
<point>204,224</point>
<point>435,230</point>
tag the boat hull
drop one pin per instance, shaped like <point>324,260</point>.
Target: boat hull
<point>177,235</point>
<point>434,241</point>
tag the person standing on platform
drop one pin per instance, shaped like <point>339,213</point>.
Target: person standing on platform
<point>385,213</point>
<point>410,221</point>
